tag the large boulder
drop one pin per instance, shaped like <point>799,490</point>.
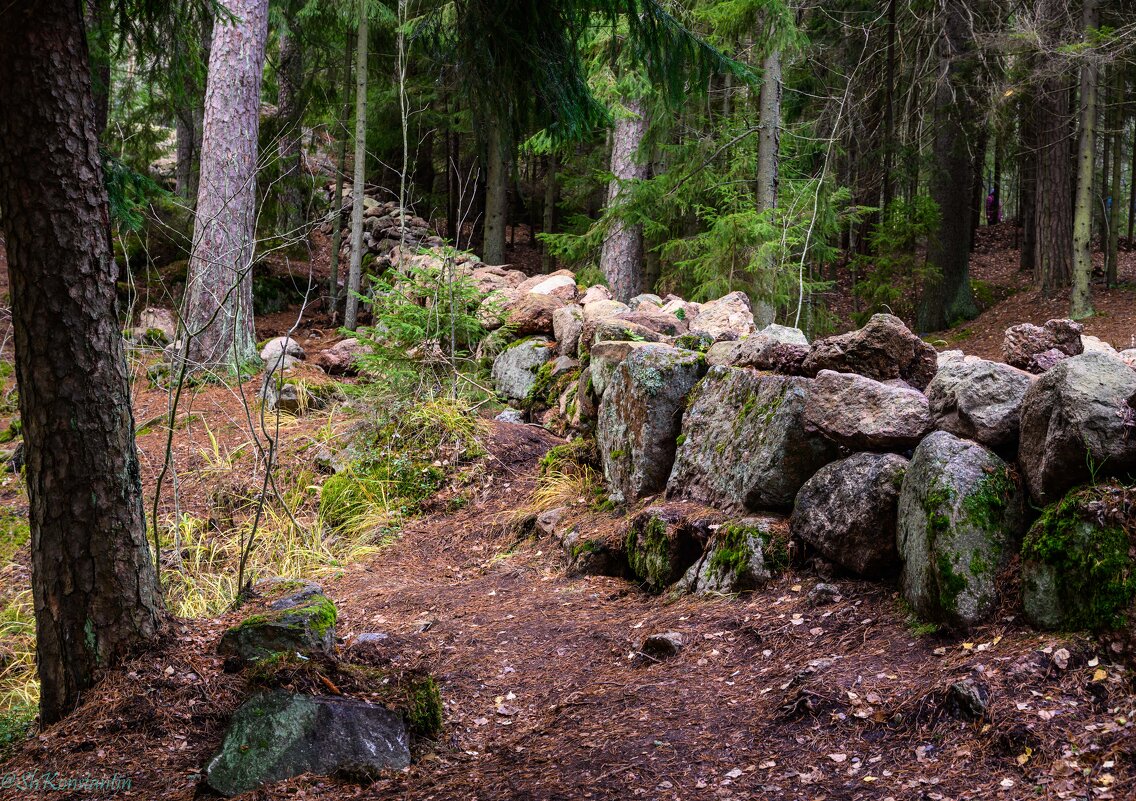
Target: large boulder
<point>724,353</point>
<point>304,624</point>
<point>978,399</point>
<point>560,284</point>
<point>515,368</point>
<point>847,512</point>
<point>595,293</point>
<point>960,514</point>
<point>157,326</point>
<point>276,735</point>
<point>605,357</point>
<point>532,314</point>
<point>883,349</point>
<point>640,417</point>
<point>1037,348</point>
<point>744,443</point>
<point>658,321</point>
<point>728,317</point>
<point>1076,423</point>
<point>863,414</point>
<point>342,357</point>
<point>777,348</point>
<point>1077,572</point>
<point>741,556</point>
<point>281,353</point>
<point>615,329</point>
<point>663,541</point>
<point>567,325</point>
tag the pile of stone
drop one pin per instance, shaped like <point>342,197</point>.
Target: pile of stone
<point>390,233</point>
<point>881,456</point>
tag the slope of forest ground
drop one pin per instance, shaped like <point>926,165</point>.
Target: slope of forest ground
<point>777,694</point>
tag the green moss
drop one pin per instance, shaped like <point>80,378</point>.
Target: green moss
<point>14,430</point>
<point>681,440</point>
<point>585,546</point>
<point>424,715</point>
<point>648,552</point>
<point>15,727</point>
<point>732,551</point>
<point>985,505</point>
<point>1090,559</point>
<point>618,454</point>
<point>951,584</point>
<point>14,534</point>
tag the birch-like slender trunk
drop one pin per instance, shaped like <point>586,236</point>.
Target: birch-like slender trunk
<point>621,258</point>
<point>354,275</point>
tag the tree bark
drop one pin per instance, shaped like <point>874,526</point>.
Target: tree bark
<point>1027,187</point>
<point>888,187</point>
<point>189,118</point>
<point>496,195</point>
<point>93,583</point>
<point>337,200</point>
<point>218,304</point>
<point>291,215</point>
<point>621,257</point>
<point>1082,304</point>
<point>769,140</point>
<point>947,298</point>
<point>1113,252</point>
<point>359,183</point>
<point>551,193</point>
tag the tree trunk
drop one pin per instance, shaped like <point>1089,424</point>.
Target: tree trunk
<point>996,187</point>
<point>889,110</point>
<point>1028,157</point>
<point>189,114</point>
<point>1113,252</point>
<point>99,19</point>
<point>621,257</point>
<point>947,298</point>
<point>496,195</point>
<point>291,215</point>
<point>359,183</point>
<point>218,299</point>
<point>337,200</point>
<point>1082,304</point>
<point>551,192</point>
<point>977,195</point>
<point>769,140</point>
<point>94,586</point>
<point>1053,200</point>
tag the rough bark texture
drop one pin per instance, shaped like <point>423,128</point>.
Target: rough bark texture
<point>948,298</point>
<point>496,196</point>
<point>769,142</point>
<point>218,305</point>
<point>621,258</point>
<point>1082,304</point>
<point>337,200</point>
<point>189,118</point>
<point>1027,194</point>
<point>1114,176</point>
<point>291,214</point>
<point>92,579</point>
<point>1053,203</point>
<point>551,193</point>
<point>354,274</point>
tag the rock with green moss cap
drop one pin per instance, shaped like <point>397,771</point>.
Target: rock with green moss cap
<point>640,416</point>
<point>663,541</point>
<point>847,512</point>
<point>745,445</point>
<point>515,368</point>
<point>277,735</point>
<point>605,357</point>
<point>295,624</point>
<point>1076,568</point>
<point>960,517</point>
<point>741,557</point>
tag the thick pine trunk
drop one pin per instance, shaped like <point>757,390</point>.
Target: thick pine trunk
<point>769,140</point>
<point>94,586</point>
<point>947,299</point>
<point>218,304</point>
<point>290,193</point>
<point>621,257</point>
<point>1053,204</point>
<point>496,195</point>
<point>359,183</point>
<point>1082,304</point>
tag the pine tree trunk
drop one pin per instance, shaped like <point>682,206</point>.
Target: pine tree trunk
<point>1053,200</point>
<point>186,139</point>
<point>496,196</point>
<point>218,303</point>
<point>621,257</point>
<point>888,188</point>
<point>290,193</point>
<point>93,583</point>
<point>1116,135</point>
<point>337,199</point>
<point>189,117</point>
<point>769,140</point>
<point>948,299</point>
<point>1082,305</point>
<point>1027,187</point>
<point>359,184</point>
<point>551,192</point>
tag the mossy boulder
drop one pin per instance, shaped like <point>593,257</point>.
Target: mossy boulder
<point>604,358</point>
<point>1077,567</point>
<point>640,416</point>
<point>515,368</point>
<point>741,556</point>
<point>303,623</point>
<point>664,541</point>
<point>593,555</point>
<point>277,735</point>
<point>744,443</point>
<point>960,517</point>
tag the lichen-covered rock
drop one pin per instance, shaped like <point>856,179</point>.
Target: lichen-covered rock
<point>342,357</point>
<point>304,627</point>
<point>728,317</point>
<point>515,368</point>
<point>777,348</point>
<point>295,395</point>
<point>532,314</point>
<point>1037,348</point>
<point>741,556</point>
<point>1076,421</point>
<point>847,512</point>
<point>863,414</point>
<point>645,298</point>
<point>615,329</point>
<point>157,326</point>
<point>640,417</point>
<point>960,514</point>
<point>1077,572</point>
<point>604,358</point>
<point>663,541</point>
<point>978,399</point>
<point>595,293</point>
<point>724,353</point>
<point>560,285</point>
<point>744,443</point>
<point>567,324</point>
<point>883,349</point>
<point>595,555</point>
<point>280,353</point>
<point>276,735</point>
<point>655,320</point>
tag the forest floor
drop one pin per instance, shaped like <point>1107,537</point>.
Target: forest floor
<point>546,693</point>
